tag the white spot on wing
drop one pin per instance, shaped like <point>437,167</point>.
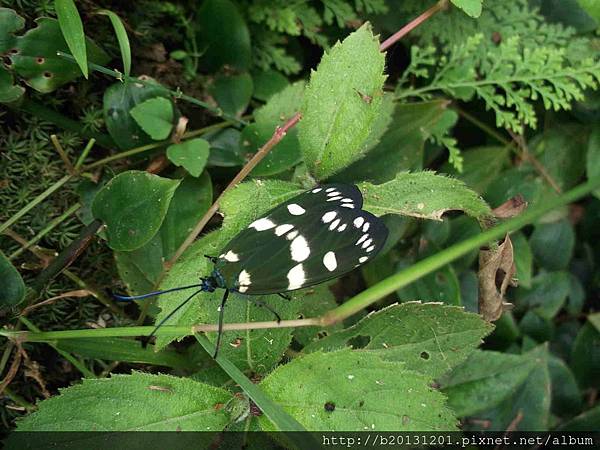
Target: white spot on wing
<point>362,238</point>
<point>262,224</point>
<point>295,209</point>
<point>282,229</point>
<point>231,256</point>
<point>329,261</point>
<point>362,259</point>
<point>244,278</point>
<point>296,277</point>
<point>367,243</point>
<point>328,216</point>
<point>291,235</point>
<point>358,222</point>
<point>333,194</point>
<point>299,249</point>
<point>334,224</point>
<point>370,249</point>
<point>342,227</point>
<point>333,198</point>
<point>348,205</point>
<point>366,227</point>
<point>346,200</point>
<point>242,289</point>
<point>315,190</point>
<point>329,189</point>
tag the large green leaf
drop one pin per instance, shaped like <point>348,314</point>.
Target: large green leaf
<point>118,100</point>
<point>400,147</point>
<point>136,402</point>
<point>341,103</point>
<point>547,295</point>
<point>133,206</point>
<point>355,391</point>
<point>470,7</point>
<point>439,286</point>
<point>424,195</point>
<point>12,288</point>
<point>72,30</point>
<point>155,117</point>
<point>36,60</point>
<point>429,338</point>
<point>553,244</point>
<point>225,45</point>
<point>191,155</point>
<point>233,93</point>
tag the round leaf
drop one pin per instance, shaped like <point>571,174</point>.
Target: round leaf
<point>155,116</point>
<point>12,288</point>
<point>133,206</point>
<point>233,93</point>
<point>191,155</point>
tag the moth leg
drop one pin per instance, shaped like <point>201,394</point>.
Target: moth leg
<point>261,303</point>
<point>287,297</point>
<point>220,330</point>
<point>212,259</point>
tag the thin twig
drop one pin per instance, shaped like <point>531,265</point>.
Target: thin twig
<point>84,153</point>
<point>70,294</point>
<point>63,155</point>
<point>442,4</point>
<point>278,135</point>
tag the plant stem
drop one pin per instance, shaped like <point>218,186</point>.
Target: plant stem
<point>442,4</point>
<point>53,224</point>
<point>356,303</point>
<point>282,420</point>
<point>76,363</point>
<point>484,127</point>
<point>278,135</point>
<point>145,148</point>
<point>84,153</point>
<point>177,94</point>
<point>36,201</point>
<point>63,155</point>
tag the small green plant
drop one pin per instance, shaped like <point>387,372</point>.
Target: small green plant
<point>470,150</point>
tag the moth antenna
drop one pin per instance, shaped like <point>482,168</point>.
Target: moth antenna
<point>125,298</point>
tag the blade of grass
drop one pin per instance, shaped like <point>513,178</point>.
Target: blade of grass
<point>72,30</point>
<point>121,38</point>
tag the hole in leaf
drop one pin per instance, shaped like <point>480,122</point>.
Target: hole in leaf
<point>7,61</point>
<point>329,406</point>
<point>361,403</point>
<point>424,355</point>
<point>360,341</point>
<point>14,51</point>
<point>47,74</point>
<point>40,60</point>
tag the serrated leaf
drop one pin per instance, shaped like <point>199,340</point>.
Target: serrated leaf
<point>470,7</point>
<point>429,338</point>
<point>136,402</point>
<point>353,391</point>
<point>118,100</point>
<point>233,93</point>
<point>593,155</point>
<point>36,60</point>
<point>155,117</point>
<point>192,155</point>
<point>12,289</point>
<point>133,206</point>
<point>341,103</point>
<point>72,30</point>
<point>424,195</point>
<point>228,45</point>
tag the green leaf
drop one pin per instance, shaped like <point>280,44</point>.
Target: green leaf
<point>9,92</point>
<point>341,103</point>
<point>228,45</point>
<point>570,13</point>
<point>481,165</point>
<point>136,402</point>
<point>225,148</point>
<point>276,112</point>
<point>470,7</point>
<point>356,391</point>
<point>536,327</point>
<point>118,100</point>
<point>523,259</point>
<point>12,290</point>
<point>316,302</point>
<point>401,146</point>
<point>553,244</point>
<point>424,195</point>
<point>566,397</point>
<point>36,60</point>
<point>593,157</point>
<point>140,269</point>
<point>585,356</point>
<point>122,38</point>
<point>592,7</point>
<point>129,350</point>
<point>587,421</point>
<point>155,116</point>
<point>547,295</point>
<point>429,338</point>
<point>233,93</point>
<point>268,83</point>
<point>484,380</point>
<point>439,286</point>
<point>192,155</point>
<point>10,22</point>
<point>72,30</point>
<point>133,206</point>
